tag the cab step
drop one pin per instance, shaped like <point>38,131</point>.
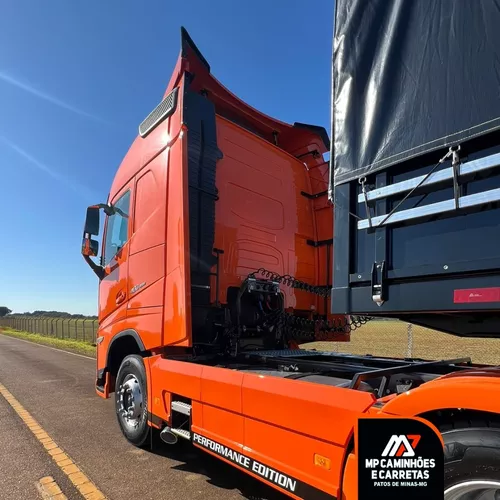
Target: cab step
<point>181,407</point>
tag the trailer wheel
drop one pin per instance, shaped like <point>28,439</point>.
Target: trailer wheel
<point>131,400</point>
<point>471,463</point>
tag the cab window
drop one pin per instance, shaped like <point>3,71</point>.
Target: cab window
<point>117,228</point>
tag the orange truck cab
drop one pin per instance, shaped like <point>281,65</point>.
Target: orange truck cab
<point>216,265</point>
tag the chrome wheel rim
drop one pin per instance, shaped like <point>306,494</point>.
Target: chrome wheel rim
<point>130,401</point>
<point>474,490</point>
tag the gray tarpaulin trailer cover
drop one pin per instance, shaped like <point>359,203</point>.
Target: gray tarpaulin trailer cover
<point>411,76</point>
<point>416,162</point>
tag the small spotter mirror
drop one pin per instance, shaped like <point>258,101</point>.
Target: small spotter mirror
<point>90,247</point>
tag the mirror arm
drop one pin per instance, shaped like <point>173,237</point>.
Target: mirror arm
<point>98,270</point>
<point>111,210</point>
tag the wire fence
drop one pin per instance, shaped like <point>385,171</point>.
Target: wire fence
<point>402,340</point>
<point>378,338</point>
<point>62,328</point>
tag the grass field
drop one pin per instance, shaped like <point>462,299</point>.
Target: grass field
<point>390,338</point>
<point>78,347</point>
<point>380,338</point>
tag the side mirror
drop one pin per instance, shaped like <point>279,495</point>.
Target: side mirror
<point>92,220</point>
<point>90,247</point>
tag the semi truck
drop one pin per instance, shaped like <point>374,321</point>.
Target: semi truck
<point>229,241</point>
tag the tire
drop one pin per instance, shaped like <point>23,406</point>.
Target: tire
<point>471,462</point>
<point>131,393</point>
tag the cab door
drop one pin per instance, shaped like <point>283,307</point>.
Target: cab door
<point>113,293</point>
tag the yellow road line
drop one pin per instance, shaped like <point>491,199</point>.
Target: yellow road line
<point>84,485</point>
<point>49,489</point>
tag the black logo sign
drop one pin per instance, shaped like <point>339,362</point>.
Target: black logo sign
<point>399,458</point>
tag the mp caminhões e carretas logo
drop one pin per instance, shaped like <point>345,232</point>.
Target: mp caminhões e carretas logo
<point>402,467</point>
<point>401,446</point>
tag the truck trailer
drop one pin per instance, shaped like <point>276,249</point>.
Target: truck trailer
<point>229,241</point>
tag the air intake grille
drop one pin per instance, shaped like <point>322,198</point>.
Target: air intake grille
<point>162,111</point>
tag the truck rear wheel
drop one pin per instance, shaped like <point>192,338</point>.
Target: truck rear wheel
<point>131,401</point>
<point>471,463</point>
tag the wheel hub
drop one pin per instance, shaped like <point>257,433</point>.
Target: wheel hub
<point>474,490</point>
<point>130,401</point>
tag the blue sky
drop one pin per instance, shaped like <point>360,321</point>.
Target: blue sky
<point>76,79</point>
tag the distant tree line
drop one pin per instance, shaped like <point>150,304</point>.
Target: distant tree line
<point>4,311</point>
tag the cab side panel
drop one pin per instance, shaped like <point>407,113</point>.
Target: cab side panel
<point>147,253</point>
<point>262,219</point>
<point>177,294</point>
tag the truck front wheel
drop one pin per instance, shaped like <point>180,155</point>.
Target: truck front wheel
<point>471,463</point>
<point>131,400</point>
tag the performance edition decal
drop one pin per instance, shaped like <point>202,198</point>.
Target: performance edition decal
<point>288,483</point>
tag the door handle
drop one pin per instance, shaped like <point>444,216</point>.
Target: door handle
<point>120,297</point>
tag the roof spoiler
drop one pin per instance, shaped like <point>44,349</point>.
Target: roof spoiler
<point>296,139</point>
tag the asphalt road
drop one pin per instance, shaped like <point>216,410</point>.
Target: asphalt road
<point>56,388</point>
<point>24,461</point>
